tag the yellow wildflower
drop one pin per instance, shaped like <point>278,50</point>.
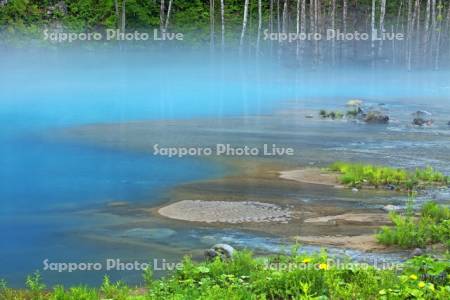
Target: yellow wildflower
<point>323,266</point>
<point>306,260</point>
<point>413,277</point>
<point>421,284</point>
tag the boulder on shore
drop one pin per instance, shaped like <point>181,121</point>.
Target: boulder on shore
<point>224,251</point>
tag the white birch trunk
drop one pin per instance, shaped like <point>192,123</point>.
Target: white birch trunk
<point>373,31</point>
<point>212,24</point>
<point>438,39</point>
<point>169,9</point>
<point>222,20</point>
<point>285,16</point>
<point>333,27</point>
<point>382,29</point>
<point>297,52</point>
<point>124,13</point>
<point>244,26</point>
<point>344,16</point>
<point>162,10</point>
<point>258,41</point>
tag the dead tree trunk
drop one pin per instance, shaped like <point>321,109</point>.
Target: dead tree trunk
<point>244,26</point>
<point>162,9</point>
<point>222,20</point>
<point>124,13</point>
<point>211,25</point>
<point>169,10</point>
<point>333,27</point>
<point>259,27</point>
<point>382,29</point>
<point>373,32</point>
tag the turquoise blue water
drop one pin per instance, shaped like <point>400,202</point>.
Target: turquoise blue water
<point>43,183</point>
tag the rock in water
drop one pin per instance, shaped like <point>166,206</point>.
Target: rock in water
<point>391,207</point>
<point>422,122</point>
<point>448,123</point>
<point>224,251</point>
<point>376,117</point>
<point>416,252</point>
<point>421,118</point>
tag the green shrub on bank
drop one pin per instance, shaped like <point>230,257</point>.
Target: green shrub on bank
<point>278,277</point>
<point>410,231</point>
<point>357,175</point>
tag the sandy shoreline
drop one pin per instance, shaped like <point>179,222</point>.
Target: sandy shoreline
<point>312,176</point>
<point>225,212</point>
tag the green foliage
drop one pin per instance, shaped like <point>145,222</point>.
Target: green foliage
<point>117,291</point>
<point>331,114</point>
<point>35,285</point>
<point>295,276</point>
<point>409,231</point>
<point>358,175</point>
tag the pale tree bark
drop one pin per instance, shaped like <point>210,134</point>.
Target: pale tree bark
<point>303,25</point>
<point>244,26</point>
<point>316,30</point>
<point>397,27</point>
<point>413,22</point>
<point>271,23</point>
<point>373,31</point>
<point>433,29</point>
<point>278,17</point>
<point>124,13</point>
<point>382,29</point>
<point>297,52</point>
<point>333,27</point>
<point>222,19</point>
<point>303,17</point>
<point>344,15</point>
<point>426,34</point>
<point>212,24</point>
<point>311,16</point>
<point>438,39</point>
<point>409,30</point>
<point>258,41</point>
<point>285,16</point>
<point>162,10</point>
<point>169,10</point>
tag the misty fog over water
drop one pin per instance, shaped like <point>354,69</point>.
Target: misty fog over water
<point>41,91</point>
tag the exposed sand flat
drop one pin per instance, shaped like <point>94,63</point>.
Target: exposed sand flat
<point>350,218</point>
<point>360,242</point>
<point>225,212</point>
<point>312,176</point>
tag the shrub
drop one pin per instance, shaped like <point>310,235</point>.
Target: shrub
<point>357,175</point>
<point>430,227</point>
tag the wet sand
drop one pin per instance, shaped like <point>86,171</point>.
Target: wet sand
<point>312,176</point>
<point>225,212</point>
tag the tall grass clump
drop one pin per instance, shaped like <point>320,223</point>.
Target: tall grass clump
<point>430,226</point>
<point>358,175</point>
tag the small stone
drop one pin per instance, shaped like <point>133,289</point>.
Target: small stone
<point>416,252</point>
<point>309,116</point>
<point>355,190</point>
<point>391,187</point>
<point>390,207</point>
